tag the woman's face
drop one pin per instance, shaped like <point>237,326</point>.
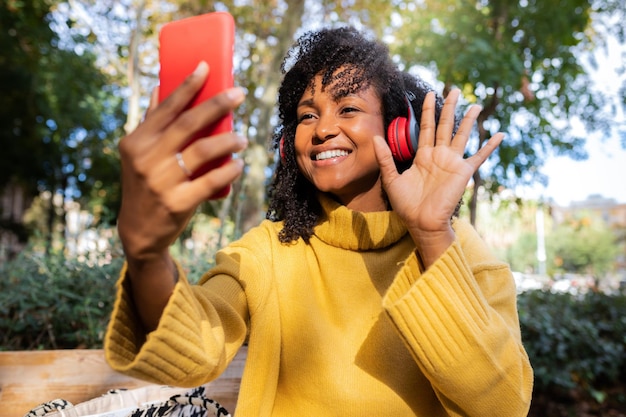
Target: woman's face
<point>334,144</point>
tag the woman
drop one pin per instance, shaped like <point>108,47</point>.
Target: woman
<point>363,293</point>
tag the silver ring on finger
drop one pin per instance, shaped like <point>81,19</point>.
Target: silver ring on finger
<point>181,164</point>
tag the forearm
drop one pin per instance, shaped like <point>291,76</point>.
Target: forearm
<point>152,282</point>
<point>462,333</point>
<point>203,327</point>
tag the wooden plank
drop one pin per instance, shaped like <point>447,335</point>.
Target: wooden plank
<point>29,378</point>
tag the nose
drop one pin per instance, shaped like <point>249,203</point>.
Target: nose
<point>326,128</point>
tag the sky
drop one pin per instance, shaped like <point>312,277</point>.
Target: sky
<point>604,172</point>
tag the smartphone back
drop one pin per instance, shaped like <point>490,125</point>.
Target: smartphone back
<point>183,45</point>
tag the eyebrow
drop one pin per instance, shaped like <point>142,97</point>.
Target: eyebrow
<point>306,103</point>
<point>311,102</point>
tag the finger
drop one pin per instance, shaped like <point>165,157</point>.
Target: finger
<point>446,120</point>
<point>194,192</point>
<point>154,102</point>
<point>179,100</point>
<point>427,123</point>
<point>486,150</point>
<point>180,195</point>
<point>137,140</point>
<point>385,160</point>
<point>206,113</point>
<point>465,128</point>
<point>206,150</point>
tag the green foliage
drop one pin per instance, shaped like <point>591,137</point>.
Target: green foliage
<point>24,30</point>
<point>522,254</point>
<point>584,245</point>
<point>60,115</point>
<point>575,343</point>
<point>50,302</point>
<point>524,63</point>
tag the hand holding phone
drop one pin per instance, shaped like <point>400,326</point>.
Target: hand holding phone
<point>183,45</point>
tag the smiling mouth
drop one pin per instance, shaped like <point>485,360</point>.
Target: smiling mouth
<point>335,153</point>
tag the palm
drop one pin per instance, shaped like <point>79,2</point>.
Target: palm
<point>426,195</point>
<point>428,192</point>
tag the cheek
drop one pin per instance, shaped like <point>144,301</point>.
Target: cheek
<point>301,148</point>
<point>378,128</point>
<point>366,130</point>
<point>303,161</point>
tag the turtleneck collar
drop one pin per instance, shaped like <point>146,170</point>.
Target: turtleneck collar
<point>353,230</point>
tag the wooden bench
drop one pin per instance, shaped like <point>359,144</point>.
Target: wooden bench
<point>30,378</point>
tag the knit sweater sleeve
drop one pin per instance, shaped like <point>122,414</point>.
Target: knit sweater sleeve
<point>459,320</point>
<point>200,331</point>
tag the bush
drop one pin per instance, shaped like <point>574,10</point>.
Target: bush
<point>576,344</point>
<point>54,302</point>
<point>50,302</point>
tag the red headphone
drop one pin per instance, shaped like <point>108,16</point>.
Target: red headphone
<point>402,135</point>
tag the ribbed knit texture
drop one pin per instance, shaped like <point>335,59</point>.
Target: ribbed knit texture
<point>346,325</point>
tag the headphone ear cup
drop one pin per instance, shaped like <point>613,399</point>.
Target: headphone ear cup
<point>402,134</point>
<point>393,131</point>
<point>398,141</point>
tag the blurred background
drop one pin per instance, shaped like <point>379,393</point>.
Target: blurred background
<point>76,75</point>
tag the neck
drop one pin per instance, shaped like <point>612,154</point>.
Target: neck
<point>371,201</point>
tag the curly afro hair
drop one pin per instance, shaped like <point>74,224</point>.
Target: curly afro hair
<point>348,62</point>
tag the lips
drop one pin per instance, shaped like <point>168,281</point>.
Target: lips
<point>334,153</point>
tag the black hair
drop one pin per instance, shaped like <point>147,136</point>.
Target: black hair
<point>348,61</point>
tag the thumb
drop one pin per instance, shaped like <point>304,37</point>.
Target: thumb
<point>385,160</point>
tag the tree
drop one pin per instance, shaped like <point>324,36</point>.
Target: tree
<point>583,245</point>
<point>125,37</point>
<point>521,61</point>
<point>24,30</point>
<point>59,114</point>
<point>522,255</point>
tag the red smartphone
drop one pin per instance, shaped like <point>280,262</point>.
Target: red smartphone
<point>183,44</point>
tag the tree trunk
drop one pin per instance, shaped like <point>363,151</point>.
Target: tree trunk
<point>133,73</point>
<point>252,207</point>
<point>473,203</point>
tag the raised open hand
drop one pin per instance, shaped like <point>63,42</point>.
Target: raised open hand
<point>426,195</point>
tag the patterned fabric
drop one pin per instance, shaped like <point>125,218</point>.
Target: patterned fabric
<point>50,406</point>
<point>193,403</point>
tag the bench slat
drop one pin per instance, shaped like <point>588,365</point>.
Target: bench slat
<point>29,378</point>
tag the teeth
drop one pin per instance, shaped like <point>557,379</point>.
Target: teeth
<point>330,154</point>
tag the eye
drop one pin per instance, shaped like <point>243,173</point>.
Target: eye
<point>305,116</point>
<point>349,109</point>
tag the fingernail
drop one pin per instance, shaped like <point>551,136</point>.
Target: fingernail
<point>235,94</point>
<point>242,140</point>
<point>201,69</point>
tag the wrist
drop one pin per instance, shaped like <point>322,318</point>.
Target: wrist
<point>430,245</point>
<point>152,265</point>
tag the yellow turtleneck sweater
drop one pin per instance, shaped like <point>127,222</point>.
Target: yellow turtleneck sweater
<point>347,325</point>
